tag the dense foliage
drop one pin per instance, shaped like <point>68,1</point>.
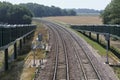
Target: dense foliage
<point>43,11</point>
<point>111,14</point>
<point>14,14</point>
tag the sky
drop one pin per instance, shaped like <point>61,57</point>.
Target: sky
<point>91,4</point>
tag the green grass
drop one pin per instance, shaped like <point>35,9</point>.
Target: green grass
<point>95,45</point>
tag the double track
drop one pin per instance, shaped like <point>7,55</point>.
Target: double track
<point>84,63</point>
<point>72,60</point>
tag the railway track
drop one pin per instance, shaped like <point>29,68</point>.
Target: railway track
<point>85,65</point>
<point>72,60</point>
<point>88,70</point>
<point>61,68</point>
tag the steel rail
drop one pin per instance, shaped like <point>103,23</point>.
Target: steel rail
<point>57,54</point>
<point>97,73</point>
<point>78,58</point>
<point>66,55</point>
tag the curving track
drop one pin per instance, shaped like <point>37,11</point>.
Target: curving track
<point>61,69</point>
<point>70,58</point>
<point>85,66</point>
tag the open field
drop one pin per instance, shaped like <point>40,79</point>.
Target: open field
<point>77,19</point>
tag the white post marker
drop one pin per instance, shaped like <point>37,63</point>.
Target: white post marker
<point>33,48</point>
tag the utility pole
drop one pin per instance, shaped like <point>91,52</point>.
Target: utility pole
<point>107,38</point>
<point>33,48</point>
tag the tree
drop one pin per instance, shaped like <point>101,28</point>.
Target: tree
<point>19,15</point>
<point>111,14</point>
<point>106,15</point>
<point>71,12</point>
<point>4,8</point>
<point>14,14</point>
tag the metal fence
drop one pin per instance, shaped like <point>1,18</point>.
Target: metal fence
<point>112,29</point>
<point>9,33</point>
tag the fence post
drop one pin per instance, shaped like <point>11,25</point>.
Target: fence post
<point>15,50</point>
<point>90,34</point>
<point>109,44</point>
<point>21,44</point>
<point>107,38</point>
<point>84,32</point>
<point>6,59</point>
<point>24,40</point>
<point>97,37</point>
<point>0,37</point>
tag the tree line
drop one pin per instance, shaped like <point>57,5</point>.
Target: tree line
<point>44,11</point>
<point>14,14</point>
<point>85,10</point>
<point>23,13</point>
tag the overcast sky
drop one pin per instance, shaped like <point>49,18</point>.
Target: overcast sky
<point>91,4</point>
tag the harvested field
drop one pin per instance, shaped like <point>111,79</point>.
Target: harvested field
<point>77,19</point>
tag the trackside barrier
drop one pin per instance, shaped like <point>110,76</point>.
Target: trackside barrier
<point>10,35</point>
<point>111,29</point>
<point>106,30</point>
